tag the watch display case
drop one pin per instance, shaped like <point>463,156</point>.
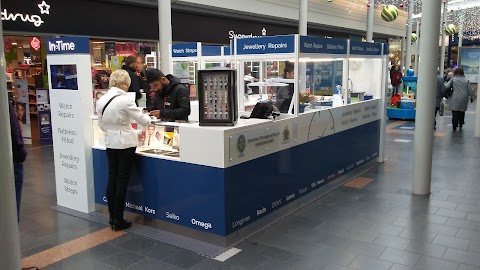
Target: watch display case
<point>217,97</point>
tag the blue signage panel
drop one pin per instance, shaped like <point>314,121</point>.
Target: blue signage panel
<point>211,50</point>
<point>365,48</point>
<point>68,45</point>
<point>309,44</point>
<point>266,45</point>
<point>386,48</point>
<point>184,50</point>
<point>226,50</point>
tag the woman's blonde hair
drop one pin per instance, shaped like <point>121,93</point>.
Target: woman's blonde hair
<point>120,79</point>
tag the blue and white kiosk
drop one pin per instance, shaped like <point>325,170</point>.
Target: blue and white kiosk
<point>225,183</point>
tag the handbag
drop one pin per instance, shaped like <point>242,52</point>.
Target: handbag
<point>449,92</point>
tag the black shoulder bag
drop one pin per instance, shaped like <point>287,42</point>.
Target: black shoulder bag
<point>108,103</point>
<point>449,92</point>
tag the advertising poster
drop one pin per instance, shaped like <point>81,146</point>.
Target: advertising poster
<point>469,61</point>
<point>116,62</point>
<point>22,109</point>
<point>180,70</point>
<point>64,77</point>
<point>44,117</point>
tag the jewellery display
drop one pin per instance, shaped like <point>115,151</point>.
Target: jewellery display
<point>217,95</point>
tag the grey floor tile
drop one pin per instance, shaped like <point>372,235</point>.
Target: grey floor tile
<point>464,257</point>
<point>335,256</point>
<point>393,242</point>
<point>429,263</point>
<point>468,267</point>
<point>474,246</point>
<point>274,264</point>
<point>400,267</point>
<point>362,248</point>
<point>185,259</point>
<point>209,264</point>
<point>123,259</point>
<point>410,233</point>
<point>400,257</point>
<point>151,264</point>
<point>307,262</point>
<point>426,249</point>
<point>160,251</point>
<point>136,244</point>
<point>336,267</point>
<point>463,224</point>
<point>452,242</point>
<point>463,200</point>
<point>35,250</point>
<point>468,234</point>
<point>443,204</point>
<point>473,217</point>
<point>387,229</point>
<point>452,213</point>
<point>469,208</point>
<point>368,263</point>
<point>277,254</point>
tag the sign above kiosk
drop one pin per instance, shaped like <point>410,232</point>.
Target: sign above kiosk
<point>365,48</point>
<point>266,45</point>
<point>310,44</point>
<point>68,45</point>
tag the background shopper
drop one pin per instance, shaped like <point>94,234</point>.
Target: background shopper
<point>130,67</point>
<point>284,94</point>
<point>172,98</point>
<point>439,96</point>
<point>458,102</point>
<point>396,79</point>
<point>116,112</point>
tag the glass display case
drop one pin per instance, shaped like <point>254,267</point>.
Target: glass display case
<point>160,139</point>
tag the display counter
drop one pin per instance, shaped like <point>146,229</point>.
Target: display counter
<point>226,178</point>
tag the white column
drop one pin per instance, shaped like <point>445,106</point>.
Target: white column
<point>442,51</point>
<point>370,14</point>
<point>408,54</point>
<point>418,48</point>
<point>165,34</point>
<point>10,250</point>
<point>477,116</point>
<point>460,40</point>
<point>427,83</point>
<point>303,18</point>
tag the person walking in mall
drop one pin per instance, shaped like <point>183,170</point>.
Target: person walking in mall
<point>458,102</point>
<point>172,99</point>
<point>19,156</point>
<point>396,79</point>
<point>439,96</point>
<point>116,112</point>
<point>131,68</point>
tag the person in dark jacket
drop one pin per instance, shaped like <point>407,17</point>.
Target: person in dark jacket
<point>19,155</point>
<point>130,67</point>
<point>439,96</point>
<point>172,99</point>
<point>396,79</point>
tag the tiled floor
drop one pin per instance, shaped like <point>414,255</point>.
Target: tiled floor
<point>367,226</point>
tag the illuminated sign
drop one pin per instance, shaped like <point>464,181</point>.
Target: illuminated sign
<point>35,19</point>
<point>35,43</point>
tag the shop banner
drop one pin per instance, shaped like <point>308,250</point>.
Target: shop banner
<point>68,45</point>
<point>365,48</point>
<point>22,109</point>
<point>184,50</point>
<point>469,61</point>
<point>266,45</point>
<point>44,117</point>
<point>211,50</point>
<point>310,44</point>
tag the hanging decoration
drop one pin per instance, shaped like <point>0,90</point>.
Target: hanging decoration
<point>450,29</point>
<point>389,13</point>
<point>414,37</point>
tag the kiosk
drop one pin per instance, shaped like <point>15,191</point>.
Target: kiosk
<point>404,107</point>
<point>219,184</point>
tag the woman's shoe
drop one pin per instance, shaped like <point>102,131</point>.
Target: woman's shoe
<point>122,224</point>
<point>110,221</point>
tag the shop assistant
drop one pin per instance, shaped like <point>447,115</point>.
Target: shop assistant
<point>172,99</point>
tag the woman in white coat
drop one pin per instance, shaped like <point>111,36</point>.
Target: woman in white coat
<point>116,112</point>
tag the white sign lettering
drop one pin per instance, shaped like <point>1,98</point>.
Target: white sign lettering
<point>61,46</point>
<point>31,18</point>
<point>233,35</point>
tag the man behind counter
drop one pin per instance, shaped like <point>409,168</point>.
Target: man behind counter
<point>172,100</point>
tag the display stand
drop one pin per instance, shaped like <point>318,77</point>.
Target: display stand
<point>71,105</point>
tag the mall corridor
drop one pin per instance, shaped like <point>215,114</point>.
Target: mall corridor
<point>372,222</point>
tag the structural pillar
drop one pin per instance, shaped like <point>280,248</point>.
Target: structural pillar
<point>165,34</point>
<point>427,83</point>
<point>442,51</point>
<point>477,115</point>
<point>460,40</point>
<point>418,48</point>
<point>10,250</point>
<point>370,14</point>
<point>303,31</point>
<point>408,56</point>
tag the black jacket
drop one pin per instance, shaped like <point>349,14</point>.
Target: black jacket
<point>18,149</point>
<point>135,86</point>
<point>173,102</point>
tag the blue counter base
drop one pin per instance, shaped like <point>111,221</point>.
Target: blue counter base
<point>223,201</point>
<point>403,114</point>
